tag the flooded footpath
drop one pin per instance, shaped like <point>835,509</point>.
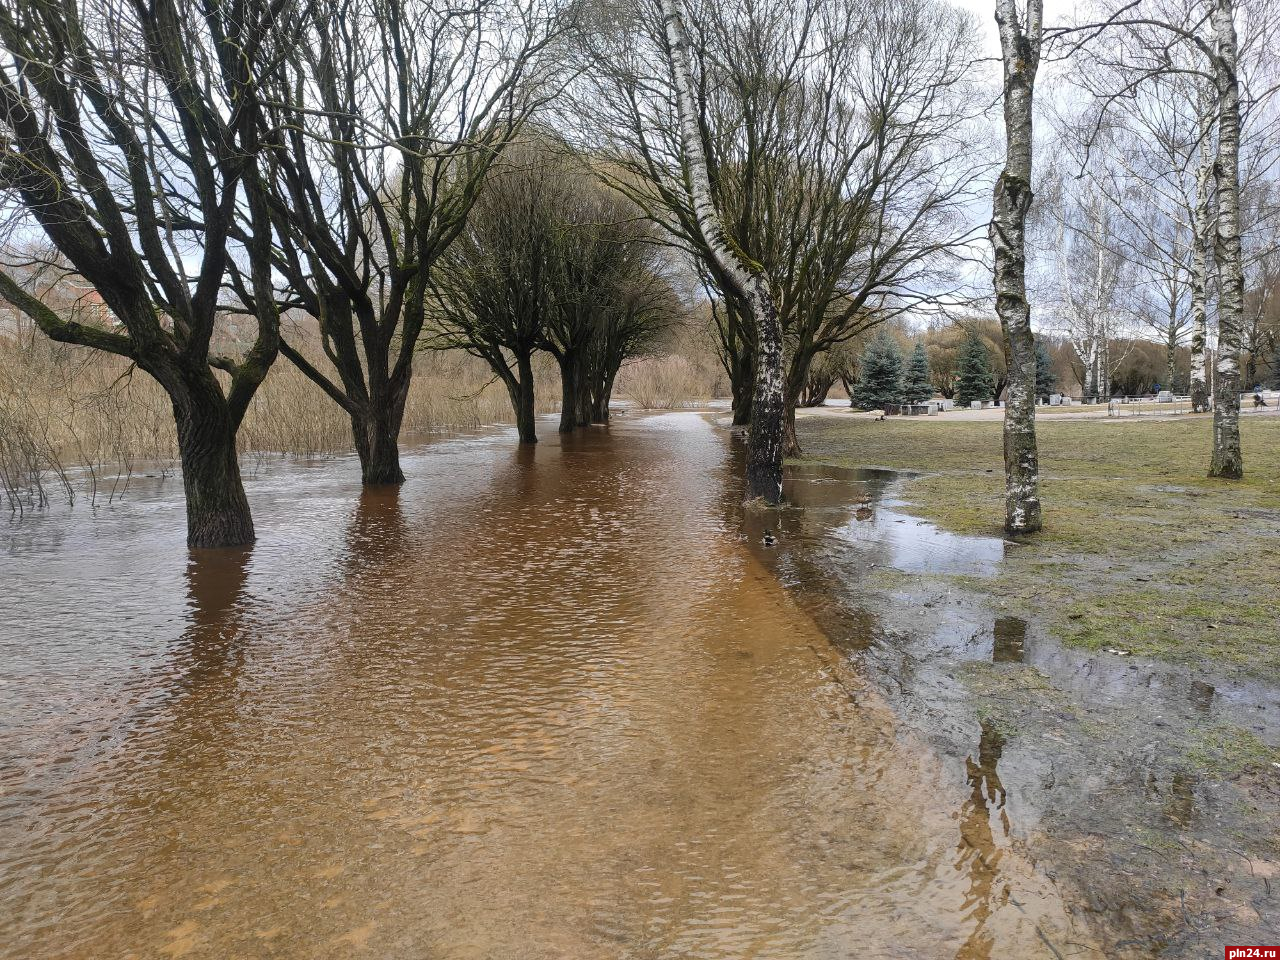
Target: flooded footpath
<point>538,703</point>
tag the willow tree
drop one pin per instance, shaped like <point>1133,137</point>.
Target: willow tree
<point>1020,43</point>
<point>490,291</point>
<point>551,259</point>
<point>129,134</point>
<point>383,129</point>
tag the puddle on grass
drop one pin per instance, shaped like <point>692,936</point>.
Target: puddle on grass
<point>1117,770</point>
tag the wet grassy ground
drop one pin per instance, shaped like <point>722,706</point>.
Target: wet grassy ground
<point>1125,663</point>
<point>1141,551</point>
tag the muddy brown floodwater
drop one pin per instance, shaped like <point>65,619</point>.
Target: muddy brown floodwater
<point>538,703</point>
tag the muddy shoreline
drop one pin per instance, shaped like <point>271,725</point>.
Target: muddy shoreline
<point>1120,774</point>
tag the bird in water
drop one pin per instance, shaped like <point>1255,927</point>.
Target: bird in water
<point>769,539</point>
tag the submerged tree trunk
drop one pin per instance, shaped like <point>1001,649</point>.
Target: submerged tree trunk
<point>764,445</point>
<point>586,407</point>
<point>1227,461</point>
<point>217,509</point>
<point>1199,386</point>
<point>768,410</point>
<point>569,391</point>
<point>520,389</point>
<point>376,429</point>
<point>601,398</point>
<point>1012,199</point>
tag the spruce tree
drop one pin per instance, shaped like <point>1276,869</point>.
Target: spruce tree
<point>1046,379</point>
<point>879,374</point>
<point>917,385</point>
<point>1275,366</point>
<point>974,380</point>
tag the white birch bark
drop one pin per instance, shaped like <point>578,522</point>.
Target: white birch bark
<point>765,443</point>
<point>1227,461</point>
<point>1020,48</point>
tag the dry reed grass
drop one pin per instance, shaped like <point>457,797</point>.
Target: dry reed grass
<point>665,382</point>
<point>74,422</point>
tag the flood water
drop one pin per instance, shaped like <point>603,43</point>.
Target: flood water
<point>537,703</point>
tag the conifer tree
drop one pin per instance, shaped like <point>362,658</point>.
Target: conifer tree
<point>1046,379</point>
<point>917,385</point>
<point>879,375</point>
<point>974,380</point>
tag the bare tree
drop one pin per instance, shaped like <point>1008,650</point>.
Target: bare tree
<point>1143,166</point>
<point>551,259</point>
<point>1089,280</point>
<point>1199,38</point>
<point>490,290</point>
<point>1227,460</point>
<point>386,125</point>
<point>743,278</point>
<point>836,137</point>
<point>129,135</point>
<point>1020,45</point>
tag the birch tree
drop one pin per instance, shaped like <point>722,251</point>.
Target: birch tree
<point>744,278</point>
<point>1089,278</point>
<point>1227,460</point>
<point>1200,39</point>
<point>1020,44</point>
<point>840,141</point>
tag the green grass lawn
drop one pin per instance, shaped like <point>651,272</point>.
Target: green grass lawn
<point>1140,549</point>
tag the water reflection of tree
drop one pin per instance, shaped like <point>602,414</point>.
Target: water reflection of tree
<point>979,854</point>
<point>210,645</point>
<point>377,528</point>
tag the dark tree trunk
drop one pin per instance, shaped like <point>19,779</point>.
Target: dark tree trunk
<point>816,391</point>
<point>569,375</point>
<point>790,442</point>
<point>377,436</point>
<point>797,378</point>
<point>585,407</point>
<point>217,509</point>
<point>600,402</point>
<point>522,399</point>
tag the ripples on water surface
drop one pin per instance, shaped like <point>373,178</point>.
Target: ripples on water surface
<point>542,703</point>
